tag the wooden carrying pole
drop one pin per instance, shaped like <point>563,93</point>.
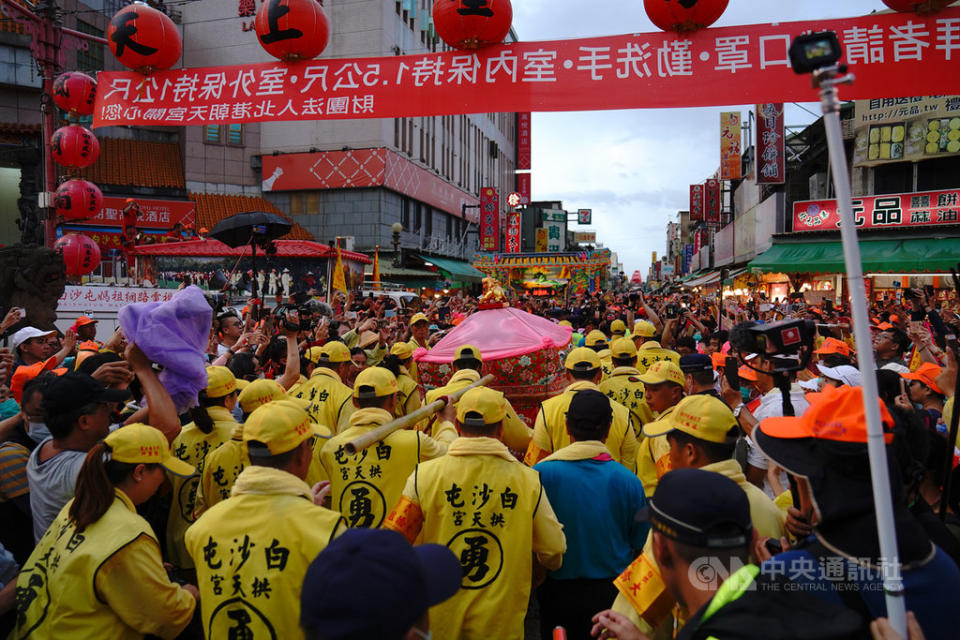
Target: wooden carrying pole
<point>376,435</point>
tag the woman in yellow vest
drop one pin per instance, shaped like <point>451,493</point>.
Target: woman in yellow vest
<point>212,425</point>
<point>97,571</point>
<point>399,362</point>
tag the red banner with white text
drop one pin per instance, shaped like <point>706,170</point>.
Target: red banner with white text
<point>489,219</point>
<point>696,202</point>
<point>513,232</point>
<point>523,187</point>
<point>524,142</point>
<point>909,55</point>
<point>925,208</point>
<point>711,201</point>
<point>771,144</point>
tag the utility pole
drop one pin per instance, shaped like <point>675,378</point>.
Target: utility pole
<point>49,40</point>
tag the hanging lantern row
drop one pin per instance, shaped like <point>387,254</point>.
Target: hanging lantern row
<point>75,92</point>
<point>78,199</point>
<point>292,30</point>
<point>74,146</point>
<point>144,39</point>
<point>468,24</point>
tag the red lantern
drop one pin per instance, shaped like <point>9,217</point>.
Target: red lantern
<point>80,254</point>
<point>684,15</point>
<point>144,39</point>
<point>77,199</point>
<point>74,146</point>
<point>917,6</point>
<point>74,92</point>
<point>472,24</point>
<point>292,29</point>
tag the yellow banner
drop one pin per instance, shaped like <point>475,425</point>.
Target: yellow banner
<point>339,281</point>
<point>730,145</point>
<point>541,240</point>
<point>376,268</point>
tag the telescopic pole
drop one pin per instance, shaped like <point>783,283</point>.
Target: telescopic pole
<point>827,79</point>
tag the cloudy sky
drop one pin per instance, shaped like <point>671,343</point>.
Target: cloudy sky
<point>634,168</point>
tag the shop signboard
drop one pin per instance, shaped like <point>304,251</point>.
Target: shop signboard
<point>523,187</point>
<point>541,245</point>
<point>771,145</point>
<point>926,208</point>
<point>585,237</point>
<point>523,140</point>
<point>513,232</point>
<point>905,129</point>
<point>489,219</point>
<point>555,235</point>
<point>711,202</point>
<point>730,145</point>
<point>584,216</point>
<point>696,202</point>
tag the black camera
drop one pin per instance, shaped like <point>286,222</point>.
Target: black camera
<point>814,51</point>
<point>778,341</point>
<point>672,311</point>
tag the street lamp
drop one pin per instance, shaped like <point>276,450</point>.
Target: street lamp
<point>396,227</point>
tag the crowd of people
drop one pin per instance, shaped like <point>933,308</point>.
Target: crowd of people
<point>690,481</point>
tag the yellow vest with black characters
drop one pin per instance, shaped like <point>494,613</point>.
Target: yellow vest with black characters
<point>646,358</point>
<point>331,401</point>
<point>252,551</point>
<point>624,387</point>
<point>365,487</point>
<point>56,596</point>
<point>192,446</point>
<point>482,508</point>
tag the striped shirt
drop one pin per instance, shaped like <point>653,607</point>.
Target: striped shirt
<point>13,471</point>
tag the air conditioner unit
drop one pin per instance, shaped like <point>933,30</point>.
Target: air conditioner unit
<point>818,186</point>
<point>347,243</point>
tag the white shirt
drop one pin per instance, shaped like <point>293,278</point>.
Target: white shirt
<point>771,406</point>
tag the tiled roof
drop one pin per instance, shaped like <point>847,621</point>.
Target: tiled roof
<point>214,207</point>
<point>137,163</point>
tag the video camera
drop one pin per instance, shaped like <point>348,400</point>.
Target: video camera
<point>779,342</point>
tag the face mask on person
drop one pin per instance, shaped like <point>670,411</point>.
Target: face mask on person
<point>38,431</point>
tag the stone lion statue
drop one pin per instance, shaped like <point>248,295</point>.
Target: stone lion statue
<point>33,278</point>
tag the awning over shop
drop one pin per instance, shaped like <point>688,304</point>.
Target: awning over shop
<point>877,256</point>
<point>456,270</point>
<point>707,278</point>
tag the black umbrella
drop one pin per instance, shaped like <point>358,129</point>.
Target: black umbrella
<point>253,228</point>
<point>250,227</point>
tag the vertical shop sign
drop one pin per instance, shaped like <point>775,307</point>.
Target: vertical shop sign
<point>489,219</point>
<point>730,145</point>
<point>771,151</point>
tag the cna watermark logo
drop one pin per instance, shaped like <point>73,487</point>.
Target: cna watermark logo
<point>709,572</point>
<point>795,573</point>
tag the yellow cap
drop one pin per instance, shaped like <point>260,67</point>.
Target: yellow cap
<point>618,326</point>
<point>335,351</point>
<point>582,359</point>
<point>259,393</point>
<point>313,354</point>
<point>663,371</point>
<point>281,425</point>
<point>595,337</point>
<point>242,384</point>
<point>402,350</point>
<point>652,344</point>
<point>644,329</point>
<point>378,381</point>
<point>481,406</point>
<point>419,317</point>
<point>467,352</point>
<point>140,443</point>
<point>220,382</point>
<point>623,348</point>
<point>565,323</point>
<point>701,416</point>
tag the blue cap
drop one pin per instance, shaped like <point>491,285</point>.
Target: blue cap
<point>695,362</point>
<point>371,583</point>
<point>703,509</point>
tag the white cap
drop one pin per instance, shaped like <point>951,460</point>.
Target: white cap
<point>810,385</point>
<point>845,373</point>
<point>25,334</point>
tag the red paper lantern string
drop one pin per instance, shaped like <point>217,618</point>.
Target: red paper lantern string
<point>684,15</point>
<point>144,39</point>
<point>77,199</point>
<point>74,146</point>
<point>472,24</point>
<point>80,253</point>
<point>292,30</point>
<point>75,92</point>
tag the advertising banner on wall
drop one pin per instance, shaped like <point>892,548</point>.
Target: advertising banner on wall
<point>709,67</point>
<point>927,208</point>
<point>541,245</point>
<point>730,145</point>
<point>696,202</point>
<point>154,214</point>
<point>524,144</point>
<point>585,237</point>
<point>523,187</point>
<point>771,144</point>
<point>513,232</point>
<point>906,129</point>
<point>711,201</point>
<point>489,219</point>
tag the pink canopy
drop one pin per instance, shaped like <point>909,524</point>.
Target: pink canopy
<point>499,333</point>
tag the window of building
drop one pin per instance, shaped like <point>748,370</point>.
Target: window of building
<point>211,134</point>
<point>449,226</point>
<point>235,134</point>
<point>405,213</point>
<point>428,226</point>
<point>417,216</point>
<point>937,173</point>
<point>304,203</point>
<point>896,177</point>
<point>92,58</point>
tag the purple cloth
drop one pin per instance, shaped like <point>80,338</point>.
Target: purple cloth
<point>173,334</point>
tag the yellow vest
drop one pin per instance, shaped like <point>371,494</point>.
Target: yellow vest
<point>606,363</point>
<point>192,446</point>
<point>408,397</point>
<point>252,551</point>
<point>516,434</point>
<point>644,597</point>
<point>646,358</point>
<point>366,486</point>
<point>624,387</point>
<point>492,513</point>
<point>653,459</point>
<point>550,430</point>
<point>301,380</point>
<point>331,401</point>
<point>220,471</point>
<point>56,596</point>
